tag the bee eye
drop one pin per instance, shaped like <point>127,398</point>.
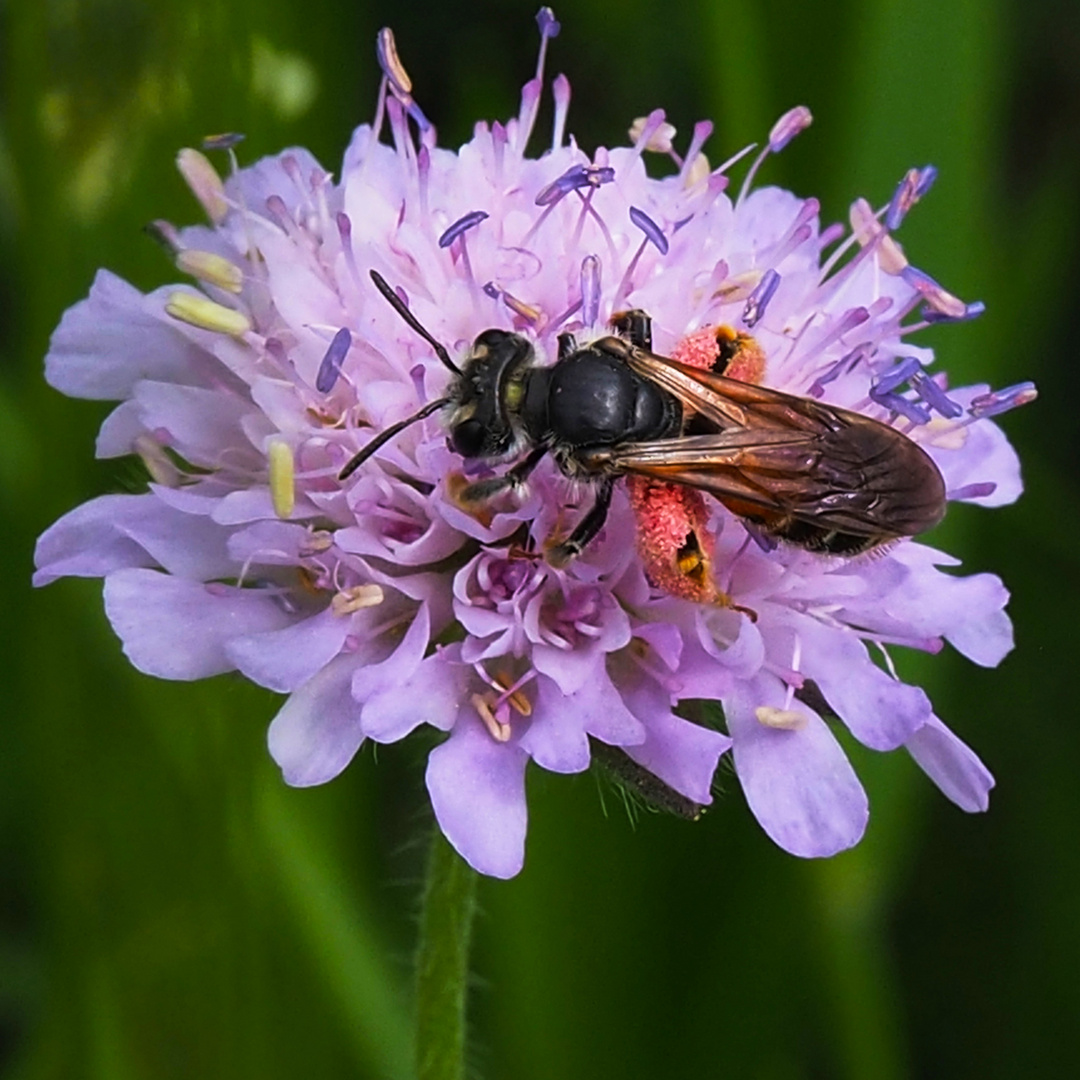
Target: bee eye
<point>467,438</point>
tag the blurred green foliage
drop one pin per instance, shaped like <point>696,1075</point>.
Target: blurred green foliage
<point>169,909</point>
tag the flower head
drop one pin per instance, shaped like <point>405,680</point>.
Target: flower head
<point>380,600</point>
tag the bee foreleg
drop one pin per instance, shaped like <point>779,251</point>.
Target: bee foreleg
<point>483,490</point>
<point>559,555</point>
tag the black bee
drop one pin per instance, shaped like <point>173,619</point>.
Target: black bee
<point>814,475</point>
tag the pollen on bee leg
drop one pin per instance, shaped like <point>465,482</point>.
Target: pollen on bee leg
<point>781,719</point>
<point>206,314</point>
<point>499,731</point>
<point>356,598</point>
<point>282,478</point>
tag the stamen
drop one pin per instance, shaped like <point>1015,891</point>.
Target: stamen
<point>971,311</point>
<point>462,225</point>
<point>867,231</point>
<point>937,299</point>
<point>159,465</point>
<point>356,598</point>
<point>390,62</point>
<point>499,731</point>
<point>999,401</point>
<point>843,366</point>
<point>166,234</point>
<point>519,307</point>
<point>282,478</point>
<point>781,719</point>
<point>344,225</point>
<point>788,126</point>
<point>935,396</point>
<point>211,268</point>
<point>577,176</point>
<point>330,368</point>
<point>652,231</point>
<point>225,141</point>
<point>206,314</point>
<point>656,138</point>
<point>759,299</point>
<point>916,183</point>
<point>549,28</point>
<point>204,182</point>
<point>590,289</point>
<point>560,91</point>
<point>645,130</point>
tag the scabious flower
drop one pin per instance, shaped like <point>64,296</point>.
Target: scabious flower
<point>379,604</point>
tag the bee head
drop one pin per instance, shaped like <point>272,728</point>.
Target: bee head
<point>488,396</point>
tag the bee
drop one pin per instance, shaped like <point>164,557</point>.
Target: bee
<point>816,476</point>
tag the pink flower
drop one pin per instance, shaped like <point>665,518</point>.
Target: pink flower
<point>378,604</point>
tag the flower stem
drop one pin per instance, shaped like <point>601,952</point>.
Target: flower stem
<point>442,963</point>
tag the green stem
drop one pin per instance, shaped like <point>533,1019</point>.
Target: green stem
<point>442,963</point>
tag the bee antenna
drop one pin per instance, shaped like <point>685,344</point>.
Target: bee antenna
<point>387,434</point>
<point>399,306</point>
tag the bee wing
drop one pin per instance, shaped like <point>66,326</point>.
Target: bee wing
<point>868,480</point>
<point>729,402</point>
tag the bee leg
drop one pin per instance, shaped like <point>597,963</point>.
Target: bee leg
<point>483,490</point>
<point>567,345</point>
<point>633,326</point>
<point>561,554</point>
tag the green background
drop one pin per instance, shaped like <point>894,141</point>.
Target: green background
<point>169,909</point>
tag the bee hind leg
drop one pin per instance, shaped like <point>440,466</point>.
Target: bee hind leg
<point>560,555</point>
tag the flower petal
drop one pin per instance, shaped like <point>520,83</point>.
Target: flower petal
<point>952,765</point>
<point>477,789</point>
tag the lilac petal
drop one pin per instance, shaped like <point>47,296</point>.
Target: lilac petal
<point>682,754</point>
<point>201,423</point>
<point>403,691</point>
<point>316,733</point>
<point>952,765</point>
<point>116,531</point>
<point>799,784</point>
<point>286,659</point>
<point>477,789</point>
<point>880,711</point>
<point>176,629</point>
<point>108,343</point>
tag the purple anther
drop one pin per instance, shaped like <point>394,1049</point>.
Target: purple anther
<point>330,368</point>
<point>912,410</point>
<point>462,225</point>
<point>934,396</point>
<point>899,375</point>
<point>225,141</point>
<point>590,289</point>
<point>344,227</point>
<point>758,300</point>
<point>938,300</point>
<point>549,25</point>
<point>999,401</point>
<point>577,176</point>
<point>916,183</point>
<point>973,491</point>
<point>651,230</point>
<point>788,126</point>
<point>971,311</point>
<point>842,366</point>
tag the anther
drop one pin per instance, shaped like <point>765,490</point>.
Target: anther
<point>356,598</point>
<point>225,141</point>
<point>590,289</point>
<point>972,491</point>
<point>204,182</point>
<point>499,731</point>
<point>461,226</point>
<point>781,719</point>
<point>652,231</point>
<point>916,183</point>
<point>758,300</point>
<point>937,299</point>
<point>999,401</point>
<point>330,368</point>
<point>282,478</point>
<point>206,314</point>
<point>934,396</point>
<point>788,126</point>
<point>211,268</point>
<point>159,465</point>
<point>658,137</point>
<point>577,176</point>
